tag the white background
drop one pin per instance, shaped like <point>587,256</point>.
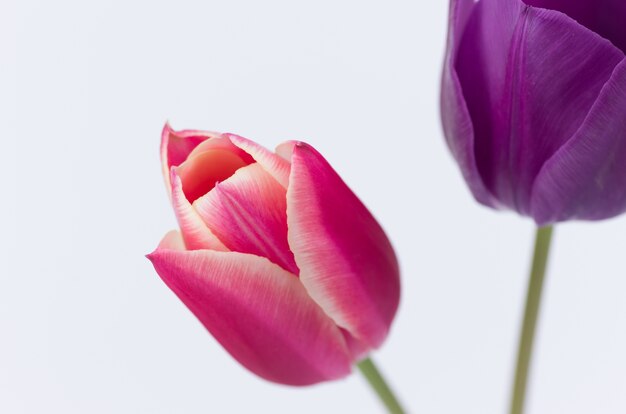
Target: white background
<point>86,325</point>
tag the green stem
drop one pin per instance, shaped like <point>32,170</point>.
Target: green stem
<point>533,299</point>
<point>376,380</point>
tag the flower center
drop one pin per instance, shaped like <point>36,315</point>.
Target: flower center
<point>203,169</point>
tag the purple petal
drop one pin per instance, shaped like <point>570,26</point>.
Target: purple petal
<point>529,78</point>
<point>586,178</point>
<point>605,17</point>
<point>456,121</point>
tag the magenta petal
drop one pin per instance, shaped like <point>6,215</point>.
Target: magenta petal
<point>247,212</point>
<point>260,313</point>
<point>195,232</point>
<point>177,145</point>
<point>346,262</point>
<point>586,178</point>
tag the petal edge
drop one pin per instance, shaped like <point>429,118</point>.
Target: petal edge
<point>346,262</point>
<point>259,313</point>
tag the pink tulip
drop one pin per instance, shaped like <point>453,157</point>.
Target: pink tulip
<point>276,256</point>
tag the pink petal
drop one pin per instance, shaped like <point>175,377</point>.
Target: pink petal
<point>276,166</point>
<point>173,240</point>
<point>209,163</point>
<point>196,234</point>
<point>285,150</point>
<point>176,146</point>
<point>247,212</point>
<point>260,313</point>
<point>346,262</point>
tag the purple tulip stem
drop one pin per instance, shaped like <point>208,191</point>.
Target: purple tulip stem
<point>533,299</point>
<point>378,383</point>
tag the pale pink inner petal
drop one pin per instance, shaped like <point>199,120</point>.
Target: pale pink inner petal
<point>202,170</point>
<point>196,234</point>
<point>248,213</point>
<point>276,165</point>
<point>285,150</point>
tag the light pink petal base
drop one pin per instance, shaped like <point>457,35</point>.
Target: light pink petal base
<point>259,312</point>
<point>346,262</point>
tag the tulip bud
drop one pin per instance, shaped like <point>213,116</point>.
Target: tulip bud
<point>534,105</point>
<point>276,256</point>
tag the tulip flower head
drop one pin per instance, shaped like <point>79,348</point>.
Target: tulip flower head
<point>276,256</point>
<point>534,105</point>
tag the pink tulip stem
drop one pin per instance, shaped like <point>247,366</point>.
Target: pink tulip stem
<point>378,383</point>
<point>533,300</point>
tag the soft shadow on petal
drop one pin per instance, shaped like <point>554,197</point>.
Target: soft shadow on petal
<point>586,178</point>
<point>456,121</point>
<point>247,212</point>
<point>276,166</point>
<point>346,262</point>
<point>260,313</point>
<point>195,233</point>
<point>605,17</point>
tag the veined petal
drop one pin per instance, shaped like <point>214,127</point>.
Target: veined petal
<point>586,178</point>
<point>247,212</point>
<point>529,77</point>
<point>456,121</point>
<point>276,166</point>
<point>176,147</point>
<point>604,17</point>
<point>346,262</point>
<point>260,313</point>
<point>196,234</point>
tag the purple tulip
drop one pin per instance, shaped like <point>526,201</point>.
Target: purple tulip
<point>534,105</point>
